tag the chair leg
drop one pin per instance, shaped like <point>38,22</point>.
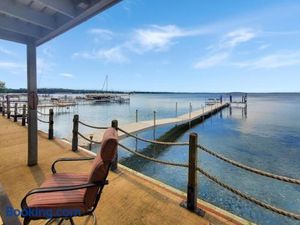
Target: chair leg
<point>60,222</point>
<point>72,221</point>
<point>26,221</point>
<point>87,220</point>
<point>50,221</point>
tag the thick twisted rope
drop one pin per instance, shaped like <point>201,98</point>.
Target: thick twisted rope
<point>153,159</point>
<point>89,140</point>
<point>153,141</point>
<point>90,126</point>
<point>42,121</point>
<point>43,114</point>
<point>250,198</point>
<point>251,169</point>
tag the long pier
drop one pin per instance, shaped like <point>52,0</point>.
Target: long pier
<point>204,112</point>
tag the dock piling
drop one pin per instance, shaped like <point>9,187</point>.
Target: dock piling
<point>154,124</point>
<point>75,133</point>
<point>176,109</point>
<point>114,164</point>
<point>190,115</point>
<point>91,142</point>
<point>51,123</point>
<point>136,115</point>
<point>24,115</point>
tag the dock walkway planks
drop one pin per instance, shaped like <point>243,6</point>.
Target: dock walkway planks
<point>129,199</point>
<point>143,125</point>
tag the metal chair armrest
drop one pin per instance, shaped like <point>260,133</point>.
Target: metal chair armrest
<point>61,188</point>
<point>69,160</point>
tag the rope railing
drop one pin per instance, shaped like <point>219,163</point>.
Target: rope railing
<point>43,114</point>
<point>250,169</point>
<point>90,126</point>
<point>153,159</point>
<point>153,141</point>
<point>42,121</point>
<point>249,198</point>
<point>193,168</point>
<point>89,140</point>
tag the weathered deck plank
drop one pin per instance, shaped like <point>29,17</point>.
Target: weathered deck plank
<point>128,199</point>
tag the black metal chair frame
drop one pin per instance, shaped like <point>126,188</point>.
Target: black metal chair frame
<point>90,212</point>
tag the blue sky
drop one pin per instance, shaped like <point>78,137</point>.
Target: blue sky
<point>190,46</point>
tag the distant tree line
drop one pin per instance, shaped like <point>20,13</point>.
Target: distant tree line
<point>2,86</point>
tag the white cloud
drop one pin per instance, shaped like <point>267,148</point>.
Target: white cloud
<point>159,38</point>
<point>222,50</point>
<point>112,55</point>
<point>211,61</point>
<point>12,67</point>
<point>273,61</point>
<point>68,75</point>
<point>6,51</point>
<point>234,38</point>
<point>101,34</point>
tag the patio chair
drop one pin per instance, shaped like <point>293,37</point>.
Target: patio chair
<point>63,196</point>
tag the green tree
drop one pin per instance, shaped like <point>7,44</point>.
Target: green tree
<point>2,85</point>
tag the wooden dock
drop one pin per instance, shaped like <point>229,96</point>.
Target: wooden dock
<point>130,198</point>
<point>144,125</point>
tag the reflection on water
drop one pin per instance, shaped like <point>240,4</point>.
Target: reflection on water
<point>266,136</point>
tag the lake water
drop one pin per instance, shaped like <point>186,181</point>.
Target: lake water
<point>266,137</point>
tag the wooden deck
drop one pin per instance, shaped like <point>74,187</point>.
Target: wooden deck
<point>143,125</point>
<point>128,199</point>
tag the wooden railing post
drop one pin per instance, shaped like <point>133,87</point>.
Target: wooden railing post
<point>192,174</point>
<point>24,115</point>
<point>16,113</point>
<point>3,109</point>
<point>51,123</point>
<point>75,133</point>
<point>192,186</point>
<point>114,164</point>
<point>8,107</point>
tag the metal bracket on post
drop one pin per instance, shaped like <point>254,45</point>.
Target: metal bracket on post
<point>192,186</point>
<point>114,164</point>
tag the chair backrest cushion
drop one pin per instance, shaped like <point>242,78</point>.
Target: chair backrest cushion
<point>101,163</point>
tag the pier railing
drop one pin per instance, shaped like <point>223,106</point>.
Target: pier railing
<point>194,168</point>
<point>21,112</point>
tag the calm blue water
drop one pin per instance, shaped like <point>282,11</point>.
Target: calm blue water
<point>266,137</point>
